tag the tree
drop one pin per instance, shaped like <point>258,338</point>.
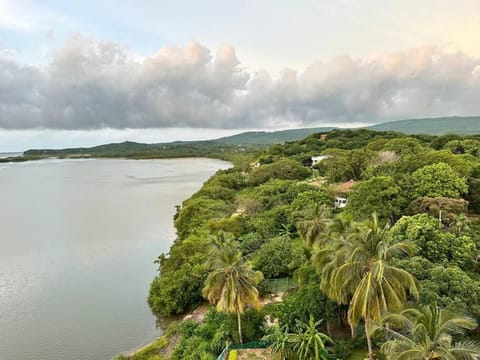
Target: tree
<point>404,146</point>
<point>438,180</point>
<point>433,243</point>
<point>449,287</point>
<point>474,195</point>
<point>181,275</point>
<point>464,147</point>
<point>306,300</point>
<point>309,342</point>
<point>378,194</point>
<point>336,168</point>
<point>231,284</point>
<point>285,169</point>
<point>450,208</point>
<point>279,257</point>
<point>427,333</point>
<point>314,223</point>
<point>358,272</point>
<point>311,197</point>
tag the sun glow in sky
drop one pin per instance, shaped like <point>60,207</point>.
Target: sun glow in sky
<point>88,72</point>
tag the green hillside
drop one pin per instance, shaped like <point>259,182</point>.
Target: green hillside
<point>433,126</point>
<point>252,140</point>
<point>271,137</point>
<point>246,141</point>
<point>406,238</point>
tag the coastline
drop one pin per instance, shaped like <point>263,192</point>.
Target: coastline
<point>195,314</point>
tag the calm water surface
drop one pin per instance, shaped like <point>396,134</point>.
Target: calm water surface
<point>77,243</point>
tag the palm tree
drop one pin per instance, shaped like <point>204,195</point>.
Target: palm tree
<point>462,224</point>
<point>426,333</point>
<point>314,224</point>
<point>308,342</point>
<point>281,344</point>
<point>356,271</point>
<point>231,283</point>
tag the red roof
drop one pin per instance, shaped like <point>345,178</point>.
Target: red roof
<point>345,187</point>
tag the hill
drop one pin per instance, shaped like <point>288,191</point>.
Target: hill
<point>253,140</point>
<point>433,126</point>
<point>271,137</point>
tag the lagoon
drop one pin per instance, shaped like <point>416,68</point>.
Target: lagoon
<point>77,243</point>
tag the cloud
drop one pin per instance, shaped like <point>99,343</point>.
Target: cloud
<point>25,16</point>
<point>90,84</point>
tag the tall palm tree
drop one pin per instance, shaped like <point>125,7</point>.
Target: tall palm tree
<point>357,271</point>
<point>231,283</point>
<point>426,333</point>
<point>314,223</point>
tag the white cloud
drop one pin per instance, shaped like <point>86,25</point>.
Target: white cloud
<point>24,16</point>
<point>89,84</point>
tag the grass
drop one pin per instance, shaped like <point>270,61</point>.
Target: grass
<point>150,352</point>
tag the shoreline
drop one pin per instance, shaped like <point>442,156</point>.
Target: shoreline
<point>197,314</point>
<point>22,158</point>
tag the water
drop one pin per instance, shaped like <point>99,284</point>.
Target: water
<point>77,243</point>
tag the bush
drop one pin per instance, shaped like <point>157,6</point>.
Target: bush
<point>306,300</point>
<point>285,169</point>
<point>279,257</point>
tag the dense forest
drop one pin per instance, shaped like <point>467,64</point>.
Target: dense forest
<point>393,274</point>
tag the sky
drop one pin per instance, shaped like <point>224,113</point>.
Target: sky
<point>80,73</point>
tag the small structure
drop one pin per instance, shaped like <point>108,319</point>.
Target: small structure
<point>340,202</point>
<point>255,164</point>
<point>320,158</point>
<point>323,137</point>
<point>341,191</point>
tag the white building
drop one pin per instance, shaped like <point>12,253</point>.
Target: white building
<point>317,159</point>
<point>340,202</point>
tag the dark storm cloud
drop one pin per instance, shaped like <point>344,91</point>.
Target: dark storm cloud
<point>88,84</point>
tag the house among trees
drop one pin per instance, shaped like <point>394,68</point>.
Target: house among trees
<point>320,158</point>
<point>340,202</point>
<point>341,191</point>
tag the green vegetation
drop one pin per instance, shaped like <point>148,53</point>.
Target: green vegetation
<point>435,126</point>
<point>22,158</point>
<point>356,271</point>
<point>428,332</point>
<point>409,236</point>
<point>231,284</point>
<point>238,148</point>
<point>272,137</point>
<point>133,150</point>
